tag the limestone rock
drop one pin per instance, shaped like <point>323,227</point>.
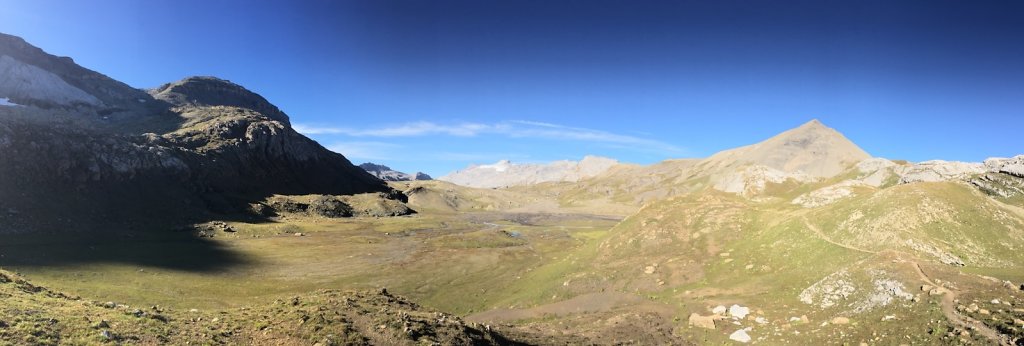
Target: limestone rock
<point>939,170</point>
<point>740,335</point>
<point>696,320</point>
<point>1012,166</point>
<point>738,311</point>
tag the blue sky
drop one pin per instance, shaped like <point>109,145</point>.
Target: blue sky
<point>435,85</point>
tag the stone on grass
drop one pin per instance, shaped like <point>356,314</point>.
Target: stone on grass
<point>740,335</point>
<point>840,320</point>
<point>696,320</point>
<point>739,311</point>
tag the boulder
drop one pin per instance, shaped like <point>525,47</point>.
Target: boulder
<point>696,320</point>
<point>840,320</point>
<point>737,311</point>
<point>740,335</point>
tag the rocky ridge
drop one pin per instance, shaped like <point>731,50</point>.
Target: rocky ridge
<point>385,173</point>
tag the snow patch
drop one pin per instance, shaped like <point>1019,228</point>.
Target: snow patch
<point>7,102</point>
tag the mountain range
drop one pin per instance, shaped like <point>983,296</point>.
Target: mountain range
<point>195,213</point>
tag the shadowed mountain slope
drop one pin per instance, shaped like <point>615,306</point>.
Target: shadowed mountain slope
<point>107,155</point>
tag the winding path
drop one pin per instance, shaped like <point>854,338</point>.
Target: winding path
<point>948,301</point>
<point>817,231</point>
<point>949,309</point>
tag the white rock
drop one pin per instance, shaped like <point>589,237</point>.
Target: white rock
<point>754,179</point>
<point>739,311</point>
<point>1013,166</point>
<point>827,195</point>
<point>740,335</point>
<point>719,310</point>
<point>939,170</point>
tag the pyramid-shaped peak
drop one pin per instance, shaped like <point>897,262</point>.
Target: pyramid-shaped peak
<point>814,123</point>
<point>812,148</point>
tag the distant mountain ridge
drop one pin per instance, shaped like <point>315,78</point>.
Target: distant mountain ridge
<point>385,173</point>
<point>504,173</point>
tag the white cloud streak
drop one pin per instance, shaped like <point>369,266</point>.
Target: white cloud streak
<point>365,150</point>
<point>512,129</point>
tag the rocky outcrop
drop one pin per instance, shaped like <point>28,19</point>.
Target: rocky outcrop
<point>1013,166</point>
<point>827,195</point>
<point>366,205</point>
<point>876,171</point>
<point>504,173</point>
<point>754,179</point>
<point>939,170</point>
<point>385,173</point>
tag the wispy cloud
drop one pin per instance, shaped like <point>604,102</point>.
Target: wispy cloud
<point>512,129</point>
<point>366,150</point>
<point>422,128</point>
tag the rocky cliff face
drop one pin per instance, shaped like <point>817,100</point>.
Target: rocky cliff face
<point>105,152</point>
<point>385,173</point>
<point>61,77</point>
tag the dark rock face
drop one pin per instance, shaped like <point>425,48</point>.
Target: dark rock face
<point>328,206</point>
<point>200,145</point>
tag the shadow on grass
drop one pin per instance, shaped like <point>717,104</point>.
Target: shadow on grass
<point>169,250</point>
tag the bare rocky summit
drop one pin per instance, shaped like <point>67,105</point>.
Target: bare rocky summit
<point>806,153</point>
<point>812,149</point>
